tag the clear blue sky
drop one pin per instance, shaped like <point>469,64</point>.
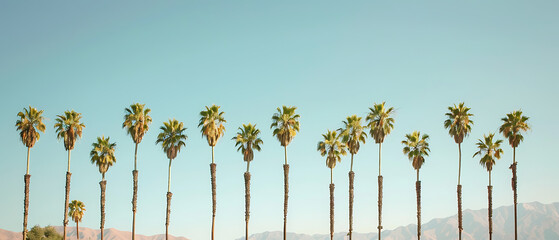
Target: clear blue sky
<point>331,59</point>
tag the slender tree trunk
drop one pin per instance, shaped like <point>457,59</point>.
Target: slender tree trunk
<point>66,200</point>
<point>78,230</point>
<point>418,195</point>
<point>490,207</point>
<point>135,192</point>
<point>514,189</point>
<point>247,201</point>
<point>103,185</point>
<point>379,192</point>
<point>169,196</point>
<point>285,192</point>
<point>331,211</point>
<point>27,169</point>
<point>351,178</point>
<point>214,200</point>
<point>26,179</point>
<point>459,193</point>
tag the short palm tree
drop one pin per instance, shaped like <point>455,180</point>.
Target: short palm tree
<point>285,125</point>
<point>77,210</point>
<point>416,148</point>
<point>211,121</point>
<point>29,124</point>
<point>513,126</point>
<point>380,124</point>
<point>352,134</point>
<point>172,139</point>
<point>333,149</point>
<point>489,152</point>
<point>103,156</point>
<point>246,140</point>
<point>68,128</point>
<point>459,125</point>
<point>136,122</point>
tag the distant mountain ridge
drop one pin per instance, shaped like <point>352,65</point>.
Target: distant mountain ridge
<point>536,222</point>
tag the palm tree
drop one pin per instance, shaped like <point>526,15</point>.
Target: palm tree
<point>459,126</point>
<point>69,128</point>
<point>416,148</point>
<point>29,123</point>
<point>380,124</point>
<point>286,125</point>
<point>211,121</point>
<point>333,149</point>
<point>246,140</point>
<point>513,126</point>
<point>352,133</point>
<point>103,156</point>
<point>172,139</point>
<point>136,122</point>
<point>77,209</point>
<point>489,152</point>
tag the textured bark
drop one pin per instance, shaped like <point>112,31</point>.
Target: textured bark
<point>459,192</point>
<point>168,215</point>
<point>490,210</point>
<point>379,205</point>
<point>214,201</point>
<point>134,201</point>
<point>78,230</point>
<point>514,185</point>
<point>103,185</point>
<point>26,179</point>
<point>331,211</point>
<point>285,197</point>
<point>67,198</point>
<point>351,178</point>
<point>418,194</point>
<point>247,201</point>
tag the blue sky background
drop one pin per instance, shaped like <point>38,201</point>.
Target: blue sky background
<point>331,59</point>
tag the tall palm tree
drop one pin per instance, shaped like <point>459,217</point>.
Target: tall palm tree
<point>333,149</point>
<point>103,156</point>
<point>489,152</point>
<point>29,124</point>
<point>459,125</point>
<point>380,124</point>
<point>416,148</point>
<point>513,126</point>
<point>77,210</point>
<point>286,125</point>
<point>246,140</point>
<point>352,133</point>
<point>136,122</point>
<point>69,128</point>
<point>211,121</point>
<point>172,139</point>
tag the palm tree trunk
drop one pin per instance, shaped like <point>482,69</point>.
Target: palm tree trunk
<point>135,192</point>
<point>214,201</point>
<point>66,199</point>
<point>285,192</point>
<point>169,196</point>
<point>331,210</point>
<point>379,192</point>
<point>418,195</point>
<point>247,201</point>
<point>26,179</point>
<point>490,207</point>
<point>78,230</point>
<point>459,193</point>
<point>103,185</point>
<point>351,178</point>
<point>514,185</point>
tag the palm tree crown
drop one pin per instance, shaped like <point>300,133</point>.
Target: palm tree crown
<point>513,124</point>
<point>137,121</point>
<point>172,138</point>
<point>380,122</point>
<point>211,121</point>
<point>246,140</point>
<point>69,128</point>
<point>31,121</point>
<point>459,124</point>
<point>77,210</point>
<point>332,148</point>
<point>416,148</point>
<point>489,151</point>
<point>352,133</point>
<point>285,124</point>
<point>103,154</point>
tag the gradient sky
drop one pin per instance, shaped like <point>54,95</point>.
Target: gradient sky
<point>331,59</point>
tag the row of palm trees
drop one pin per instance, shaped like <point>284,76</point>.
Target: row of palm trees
<point>285,125</point>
